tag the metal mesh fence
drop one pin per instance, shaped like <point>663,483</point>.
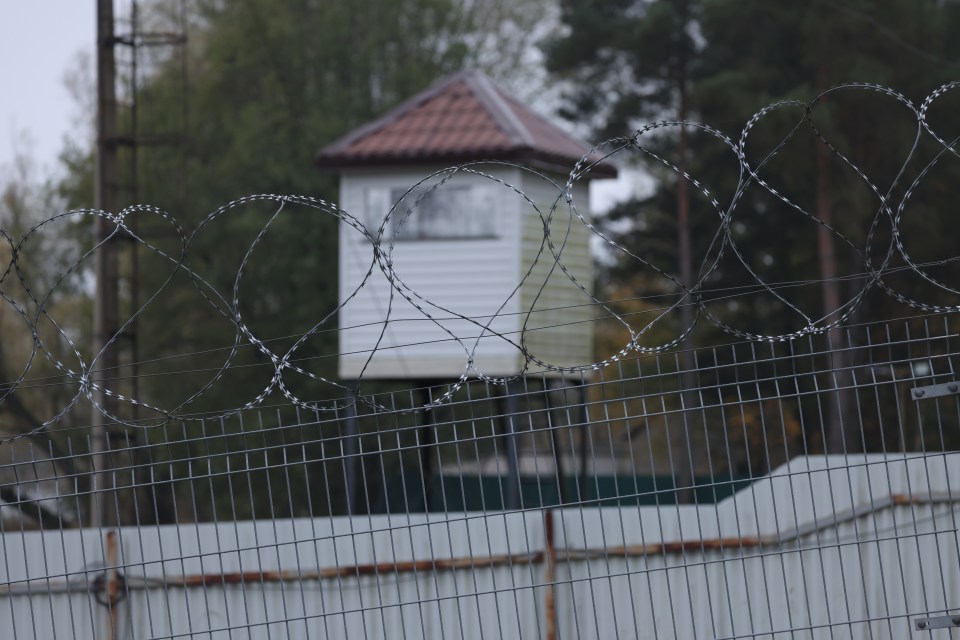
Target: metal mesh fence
<point>600,507</point>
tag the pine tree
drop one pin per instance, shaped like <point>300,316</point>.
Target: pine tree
<point>742,57</point>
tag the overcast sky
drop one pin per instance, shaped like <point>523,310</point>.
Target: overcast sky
<point>39,42</point>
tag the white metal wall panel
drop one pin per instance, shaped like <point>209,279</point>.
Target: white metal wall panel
<point>872,547</point>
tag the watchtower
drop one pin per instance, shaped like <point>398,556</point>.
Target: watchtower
<point>458,186</point>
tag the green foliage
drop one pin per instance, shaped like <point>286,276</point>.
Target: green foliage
<point>260,87</point>
<point>40,275</point>
<point>625,57</point>
<point>720,61</point>
<point>264,85</point>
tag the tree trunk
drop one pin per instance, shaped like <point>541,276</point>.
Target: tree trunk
<point>837,425</point>
<point>684,462</point>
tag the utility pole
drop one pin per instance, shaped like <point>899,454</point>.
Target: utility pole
<point>105,262</point>
<point>117,455</point>
<point>103,510</point>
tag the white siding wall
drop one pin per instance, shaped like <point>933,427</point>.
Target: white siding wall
<point>472,277</point>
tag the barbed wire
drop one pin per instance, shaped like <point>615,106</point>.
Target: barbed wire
<point>561,218</point>
<point>111,373</point>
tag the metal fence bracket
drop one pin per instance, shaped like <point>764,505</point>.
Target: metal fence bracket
<point>940,622</point>
<point>935,390</point>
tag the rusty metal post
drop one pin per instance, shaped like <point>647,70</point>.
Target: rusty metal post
<point>111,585</point>
<point>549,575</point>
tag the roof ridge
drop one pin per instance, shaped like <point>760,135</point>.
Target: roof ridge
<point>573,137</point>
<point>489,94</point>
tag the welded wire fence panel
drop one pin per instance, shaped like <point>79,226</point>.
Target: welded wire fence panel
<point>773,469</point>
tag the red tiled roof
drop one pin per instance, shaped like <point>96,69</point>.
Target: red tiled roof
<point>462,118</point>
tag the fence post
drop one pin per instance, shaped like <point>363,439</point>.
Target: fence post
<point>549,560</point>
<point>553,424</point>
<point>111,584</point>
<point>429,459</point>
<point>512,497</point>
<point>350,451</point>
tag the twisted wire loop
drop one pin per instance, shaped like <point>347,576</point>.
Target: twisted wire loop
<point>890,204</point>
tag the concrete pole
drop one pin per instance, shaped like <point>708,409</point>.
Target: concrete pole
<point>103,511</point>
